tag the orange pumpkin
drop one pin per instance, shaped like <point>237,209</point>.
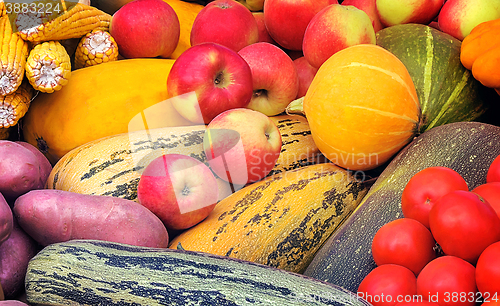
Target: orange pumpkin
<point>480,53</point>
<point>362,107</point>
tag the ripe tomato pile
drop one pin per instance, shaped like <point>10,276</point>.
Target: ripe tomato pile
<point>446,249</point>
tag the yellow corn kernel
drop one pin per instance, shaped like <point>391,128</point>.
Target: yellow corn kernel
<point>48,67</point>
<point>15,105</point>
<point>95,48</point>
<point>74,23</point>
<point>13,55</point>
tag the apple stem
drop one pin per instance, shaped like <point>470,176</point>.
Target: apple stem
<point>219,78</point>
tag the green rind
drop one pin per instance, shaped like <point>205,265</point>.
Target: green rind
<point>467,147</point>
<point>447,91</point>
<point>90,272</point>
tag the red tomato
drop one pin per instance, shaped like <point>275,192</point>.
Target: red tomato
<point>493,174</point>
<point>488,272</point>
<point>463,225</point>
<point>448,280</point>
<point>426,187</point>
<point>387,284</point>
<point>417,302</point>
<point>493,302</point>
<point>404,242</point>
<point>491,193</point>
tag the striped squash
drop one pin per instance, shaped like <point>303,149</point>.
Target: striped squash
<point>91,272</point>
<point>446,90</point>
<point>280,221</point>
<point>112,165</point>
<point>298,148</point>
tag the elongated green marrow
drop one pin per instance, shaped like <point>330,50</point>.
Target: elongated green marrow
<point>466,147</point>
<point>91,272</point>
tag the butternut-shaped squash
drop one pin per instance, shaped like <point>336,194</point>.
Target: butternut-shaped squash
<point>100,101</point>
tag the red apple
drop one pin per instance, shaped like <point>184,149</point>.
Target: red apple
<point>306,74</point>
<point>242,145</point>
<point>370,8</point>
<point>334,28</point>
<point>287,20</point>
<point>392,12</point>
<point>145,28</point>
<point>206,80</point>
<point>459,17</point>
<point>225,22</point>
<point>263,33</point>
<point>179,189</point>
<point>275,79</point>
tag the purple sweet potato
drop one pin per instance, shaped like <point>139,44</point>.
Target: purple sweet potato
<point>51,216</point>
<point>43,162</point>
<point>6,219</point>
<point>12,303</point>
<point>15,253</point>
<point>20,170</point>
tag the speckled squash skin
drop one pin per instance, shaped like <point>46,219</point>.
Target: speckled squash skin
<point>280,221</point>
<point>90,272</point>
<point>466,147</point>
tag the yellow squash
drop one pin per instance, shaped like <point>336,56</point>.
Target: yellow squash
<point>99,101</point>
<point>280,221</point>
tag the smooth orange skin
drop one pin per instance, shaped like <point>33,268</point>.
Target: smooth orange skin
<point>362,107</point>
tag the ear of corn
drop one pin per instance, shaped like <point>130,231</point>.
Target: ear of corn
<point>95,48</point>
<point>13,106</point>
<point>48,67</point>
<point>74,23</point>
<point>13,54</point>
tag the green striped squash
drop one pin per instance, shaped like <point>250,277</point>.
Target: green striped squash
<point>466,147</point>
<point>91,272</point>
<point>446,90</point>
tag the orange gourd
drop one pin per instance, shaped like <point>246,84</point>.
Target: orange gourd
<point>480,53</point>
<point>362,107</point>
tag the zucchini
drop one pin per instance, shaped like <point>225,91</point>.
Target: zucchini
<point>466,147</point>
<point>92,272</point>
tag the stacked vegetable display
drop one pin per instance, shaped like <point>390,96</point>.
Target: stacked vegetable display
<point>249,152</point>
<point>445,245</point>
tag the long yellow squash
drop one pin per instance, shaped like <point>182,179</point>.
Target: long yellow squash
<point>99,101</point>
<point>280,221</point>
